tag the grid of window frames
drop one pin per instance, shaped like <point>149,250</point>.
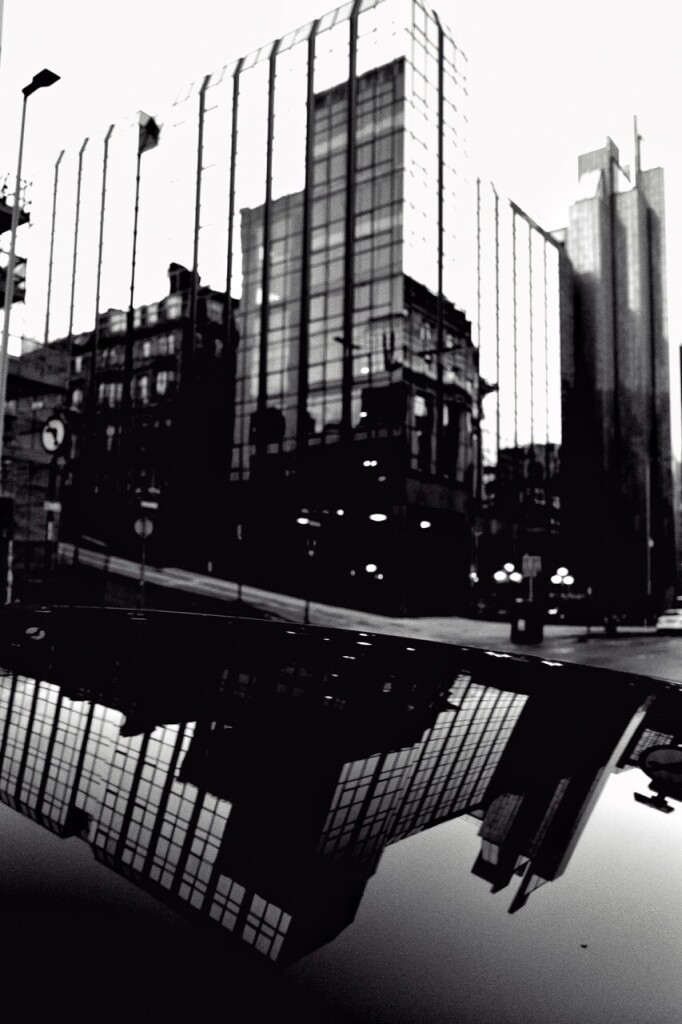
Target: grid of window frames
<point>457,758</point>
<point>247,208</point>
<point>60,728</point>
<point>361,808</point>
<point>265,927</point>
<point>387,797</point>
<point>167,831</point>
<point>14,738</point>
<point>518,332</point>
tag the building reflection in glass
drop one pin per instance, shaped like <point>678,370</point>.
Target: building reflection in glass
<point>656,748</point>
<point>544,790</point>
<point>261,796</point>
<point>522,329</point>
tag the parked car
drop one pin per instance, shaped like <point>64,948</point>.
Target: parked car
<point>670,621</point>
<point>208,818</point>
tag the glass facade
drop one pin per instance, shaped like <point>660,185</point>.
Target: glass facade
<point>326,324</point>
<point>321,186</point>
<point>522,277</point>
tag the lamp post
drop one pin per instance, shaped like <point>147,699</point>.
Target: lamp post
<point>43,79</point>
<point>311,546</point>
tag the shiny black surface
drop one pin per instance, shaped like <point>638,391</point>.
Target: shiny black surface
<point>321,824</point>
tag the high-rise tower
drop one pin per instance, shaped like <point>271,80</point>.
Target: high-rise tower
<point>617,452</point>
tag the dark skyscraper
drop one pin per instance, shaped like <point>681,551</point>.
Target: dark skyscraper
<point>618,449</point>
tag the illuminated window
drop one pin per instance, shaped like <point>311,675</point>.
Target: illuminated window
<point>117,322</point>
<point>419,405</point>
<point>214,311</point>
<point>173,307</point>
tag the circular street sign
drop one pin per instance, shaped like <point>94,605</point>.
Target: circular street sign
<point>53,434</point>
<point>144,527</point>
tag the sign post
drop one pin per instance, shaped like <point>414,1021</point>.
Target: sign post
<point>147,506</point>
<point>53,437</point>
<point>144,528</point>
<point>531,566</point>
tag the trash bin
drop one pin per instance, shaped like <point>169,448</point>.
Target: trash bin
<point>526,623</point>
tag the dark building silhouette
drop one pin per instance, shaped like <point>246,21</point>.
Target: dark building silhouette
<point>617,452</point>
<point>546,785</point>
<point>152,411</point>
<point>37,388</point>
<point>36,382</point>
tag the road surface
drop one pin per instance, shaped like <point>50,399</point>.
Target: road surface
<point>635,649</point>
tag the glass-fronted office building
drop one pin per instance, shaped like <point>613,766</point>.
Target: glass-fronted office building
<point>321,185</point>
<point>525,340</point>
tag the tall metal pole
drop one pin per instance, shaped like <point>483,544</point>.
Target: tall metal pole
<point>349,246</point>
<point>126,398</point>
<point>92,383</point>
<point>75,241</point>
<point>51,264</point>
<point>89,441</point>
<point>43,79</point>
<point>9,290</point>
<point>190,335</point>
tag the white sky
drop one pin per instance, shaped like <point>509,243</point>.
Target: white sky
<point>546,80</point>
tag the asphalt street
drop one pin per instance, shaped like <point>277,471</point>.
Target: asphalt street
<point>634,649</point>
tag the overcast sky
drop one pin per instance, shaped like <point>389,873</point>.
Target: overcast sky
<point>547,81</point>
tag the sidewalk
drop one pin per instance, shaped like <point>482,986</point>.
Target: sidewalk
<point>448,629</point>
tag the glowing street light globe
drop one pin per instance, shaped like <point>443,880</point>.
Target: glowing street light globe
<point>500,576</point>
<point>556,579</point>
<point>370,567</point>
<point>563,571</point>
<point>515,577</point>
<point>508,567</point>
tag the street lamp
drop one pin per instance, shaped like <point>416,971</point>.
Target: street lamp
<point>311,546</point>
<point>43,79</point>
